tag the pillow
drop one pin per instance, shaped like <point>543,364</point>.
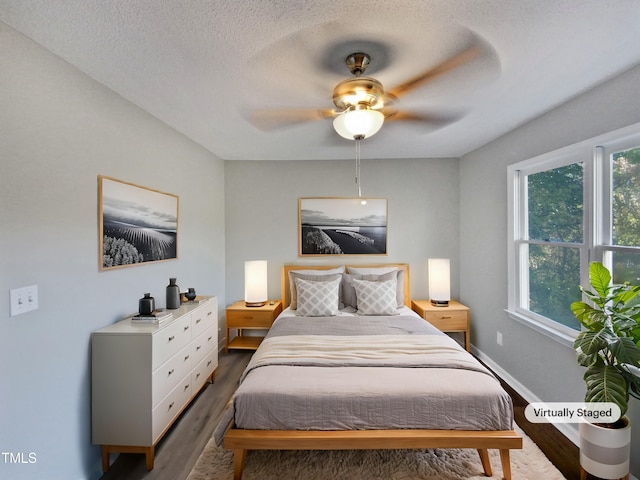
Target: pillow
<point>376,298</point>
<point>317,275</point>
<point>317,299</point>
<point>349,298</point>
<point>372,270</point>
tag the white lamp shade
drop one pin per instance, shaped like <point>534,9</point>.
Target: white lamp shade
<point>353,123</point>
<point>439,280</point>
<point>255,282</point>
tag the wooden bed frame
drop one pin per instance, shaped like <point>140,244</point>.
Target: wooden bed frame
<point>242,440</point>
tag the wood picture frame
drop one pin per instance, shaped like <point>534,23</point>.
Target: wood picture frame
<point>342,226</point>
<point>137,225</point>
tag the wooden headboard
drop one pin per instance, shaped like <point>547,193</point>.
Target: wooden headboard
<point>286,292</point>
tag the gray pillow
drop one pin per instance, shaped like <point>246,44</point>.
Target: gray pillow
<point>375,297</point>
<point>317,299</point>
<point>315,275</point>
<point>349,298</point>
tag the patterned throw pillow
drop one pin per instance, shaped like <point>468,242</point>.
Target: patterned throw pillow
<point>376,298</point>
<point>315,275</point>
<point>349,298</point>
<point>317,299</point>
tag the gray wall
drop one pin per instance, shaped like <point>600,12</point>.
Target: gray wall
<point>544,367</point>
<point>58,131</point>
<point>262,213</point>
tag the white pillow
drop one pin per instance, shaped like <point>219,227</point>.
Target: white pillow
<point>317,275</point>
<point>376,298</point>
<point>317,299</point>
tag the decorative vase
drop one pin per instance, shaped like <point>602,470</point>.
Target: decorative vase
<point>191,294</point>
<point>605,452</point>
<point>146,305</point>
<point>173,295</point>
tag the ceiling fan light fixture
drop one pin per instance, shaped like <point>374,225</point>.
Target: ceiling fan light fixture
<point>363,123</point>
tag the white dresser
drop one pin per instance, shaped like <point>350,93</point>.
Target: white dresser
<point>144,376</point>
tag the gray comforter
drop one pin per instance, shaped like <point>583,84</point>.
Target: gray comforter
<point>340,373</point>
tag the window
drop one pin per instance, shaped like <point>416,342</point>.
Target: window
<point>566,209</point>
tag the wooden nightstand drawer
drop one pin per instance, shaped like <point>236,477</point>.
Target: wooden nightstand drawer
<point>241,318</point>
<point>449,321</point>
<point>249,319</point>
<point>452,318</point>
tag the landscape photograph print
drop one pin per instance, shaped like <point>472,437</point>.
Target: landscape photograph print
<point>137,224</point>
<point>342,226</point>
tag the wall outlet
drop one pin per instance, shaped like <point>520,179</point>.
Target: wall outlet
<point>499,338</point>
<point>24,299</point>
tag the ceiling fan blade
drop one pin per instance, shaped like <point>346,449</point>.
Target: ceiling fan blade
<point>468,54</point>
<point>273,119</point>
<point>441,119</point>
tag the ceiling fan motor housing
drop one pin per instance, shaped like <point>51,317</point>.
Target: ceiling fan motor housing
<point>363,91</point>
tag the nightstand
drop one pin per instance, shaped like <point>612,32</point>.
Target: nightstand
<point>452,318</point>
<point>241,317</point>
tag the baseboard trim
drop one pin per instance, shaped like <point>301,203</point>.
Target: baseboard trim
<point>564,428</point>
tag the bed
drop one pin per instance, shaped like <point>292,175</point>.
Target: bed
<point>369,374</point>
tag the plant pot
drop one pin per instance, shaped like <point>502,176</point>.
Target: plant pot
<point>605,452</point>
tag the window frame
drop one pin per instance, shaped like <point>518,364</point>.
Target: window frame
<point>594,154</point>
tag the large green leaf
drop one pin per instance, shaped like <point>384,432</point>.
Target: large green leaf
<point>606,384</point>
<point>600,278</point>
<point>590,343</point>
<point>588,316</point>
<point>625,351</point>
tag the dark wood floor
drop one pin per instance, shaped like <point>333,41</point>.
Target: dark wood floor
<point>180,448</point>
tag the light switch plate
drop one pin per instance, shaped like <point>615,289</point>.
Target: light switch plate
<point>24,299</point>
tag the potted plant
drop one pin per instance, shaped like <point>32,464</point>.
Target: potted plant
<point>609,347</point>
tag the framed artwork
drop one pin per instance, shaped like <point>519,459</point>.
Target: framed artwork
<point>342,226</point>
<point>137,225</point>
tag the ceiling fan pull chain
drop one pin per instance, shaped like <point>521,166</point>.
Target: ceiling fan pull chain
<point>357,138</point>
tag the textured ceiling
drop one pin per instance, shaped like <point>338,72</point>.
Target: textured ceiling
<point>202,66</point>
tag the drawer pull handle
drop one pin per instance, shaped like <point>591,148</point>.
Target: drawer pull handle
<point>186,328</point>
<point>186,386</point>
<point>186,358</point>
<point>197,375</point>
<point>209,339</point>
<point>198,321</point>
<point>444,317</point>
<point>171,405</point>
<point>208,363</point>
<point>198,347</point>
<point>209,313</point>
<point>171,371</point>
<point>171,337</point>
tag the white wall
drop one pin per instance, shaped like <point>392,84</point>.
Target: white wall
<point>545,367</point>
<point>262,213</point>
<point>59,130</point>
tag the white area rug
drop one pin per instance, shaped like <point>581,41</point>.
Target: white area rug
<point>438,464</point>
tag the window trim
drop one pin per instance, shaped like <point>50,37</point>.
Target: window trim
<point>593,153</point>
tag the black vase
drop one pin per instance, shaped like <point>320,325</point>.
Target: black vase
<point>146,305</point>
<point>191,294</point>
<point>173,295</point>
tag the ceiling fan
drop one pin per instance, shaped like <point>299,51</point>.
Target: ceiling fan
<point>361,103</point>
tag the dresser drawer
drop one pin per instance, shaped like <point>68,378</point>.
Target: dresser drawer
<point>450,320</point>
<point>249,319</point>
<point>170,340</point>
<point>203,370</point>
<point>170,407</point>
<point>204,317</point>
<point>204,344</point>
<point>167,376</point>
